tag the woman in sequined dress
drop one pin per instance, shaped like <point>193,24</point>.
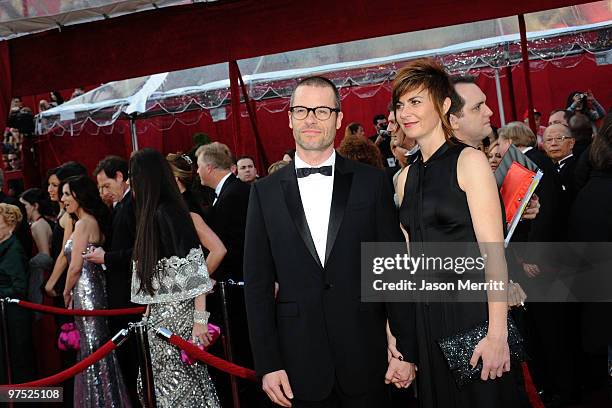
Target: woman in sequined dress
<point>101,384</point>
<point>170,276</point>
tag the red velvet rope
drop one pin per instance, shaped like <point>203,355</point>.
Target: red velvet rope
<point>60,377</point>
<point>80,312</point>
<point>211,360</point>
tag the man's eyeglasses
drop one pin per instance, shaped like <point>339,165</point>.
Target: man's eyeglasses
<point>558,139</point>
<point>320,112</point>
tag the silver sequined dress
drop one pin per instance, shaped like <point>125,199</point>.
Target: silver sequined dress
<point>182,279</point>
<point>101,384</point>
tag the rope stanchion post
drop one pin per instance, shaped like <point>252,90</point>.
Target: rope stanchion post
<point>228,340</point>
<point>144,360</point>
<point>5,341</point>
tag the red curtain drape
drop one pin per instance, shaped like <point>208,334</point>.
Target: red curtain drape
<point>551,85</point>
<point>6,86</point>
<point>200,34</point>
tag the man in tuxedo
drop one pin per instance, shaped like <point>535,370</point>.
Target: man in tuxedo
<point>227,218</point>
<point>112,177</point>
<point>316,344</point>
<point>227,215</point>
<point>558,145</point>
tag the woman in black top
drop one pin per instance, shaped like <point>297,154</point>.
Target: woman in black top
<point>183,171</point>
<point>449,195</point>
<point>63,227</point>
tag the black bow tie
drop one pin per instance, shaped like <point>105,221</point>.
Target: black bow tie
<point>307,171</point>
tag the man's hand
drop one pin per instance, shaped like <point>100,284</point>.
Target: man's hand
<point>533,208</point>
<point>96,256</point>
<point>276,385</point>
<point>516,294</point>
<point>400,373</point>
<point>531,270</point>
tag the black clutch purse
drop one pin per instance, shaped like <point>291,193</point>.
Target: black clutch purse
<point>458,350</point>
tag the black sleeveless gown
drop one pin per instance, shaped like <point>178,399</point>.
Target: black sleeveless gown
<point>435,209</point>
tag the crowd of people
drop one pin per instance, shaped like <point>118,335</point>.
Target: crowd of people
<point>163,231</point>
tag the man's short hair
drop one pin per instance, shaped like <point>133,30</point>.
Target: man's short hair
<point>457,102</point>
<point>581,128</point>
<point>518,133</point>
<point>217,154</point>
<point>561,127</point>
<point>378,117</point>
<point>111,165</point>
<point>567,115</point>
<point>245,157</point>
<point>320,82</point>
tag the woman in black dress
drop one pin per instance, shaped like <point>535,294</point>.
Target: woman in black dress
<point>183,171</point>
<point>449,195</point>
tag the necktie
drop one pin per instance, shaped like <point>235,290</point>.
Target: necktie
<point>307,171</point>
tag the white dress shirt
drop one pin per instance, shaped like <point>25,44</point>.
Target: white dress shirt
<point>220,186</point>
<point>316,192</point>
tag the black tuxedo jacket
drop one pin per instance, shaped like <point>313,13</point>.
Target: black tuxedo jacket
<point>543,228</point>
<point>227,218</point>
<point>118,257</point>
<point>317,329</point>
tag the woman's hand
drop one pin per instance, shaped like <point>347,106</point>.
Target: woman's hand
<point>200,334</point>
<point>68,299</point>
<point>50,289</point>
<point>392,351</point>
<point>495,354</point>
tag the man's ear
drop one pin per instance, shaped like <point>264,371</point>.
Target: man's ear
<point>339,120</point>
<point>454,121</point>
<point>290,124</point>
<point>119,176</point>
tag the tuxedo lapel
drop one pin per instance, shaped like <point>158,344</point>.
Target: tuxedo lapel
<point>229,181</point>
<point>343,179</point>
<point>293,200</point>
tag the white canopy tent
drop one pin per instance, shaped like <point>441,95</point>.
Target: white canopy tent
<point>552,34</point>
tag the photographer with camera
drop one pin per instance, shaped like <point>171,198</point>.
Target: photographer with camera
<point>382,139</point>
<point>585,103</point>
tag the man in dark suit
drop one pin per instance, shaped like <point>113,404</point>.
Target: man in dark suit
<point>316,344</point>
<point>227,218</point>
<point>112,177</point>
<point>558,145</point>
<point>227,215</point>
